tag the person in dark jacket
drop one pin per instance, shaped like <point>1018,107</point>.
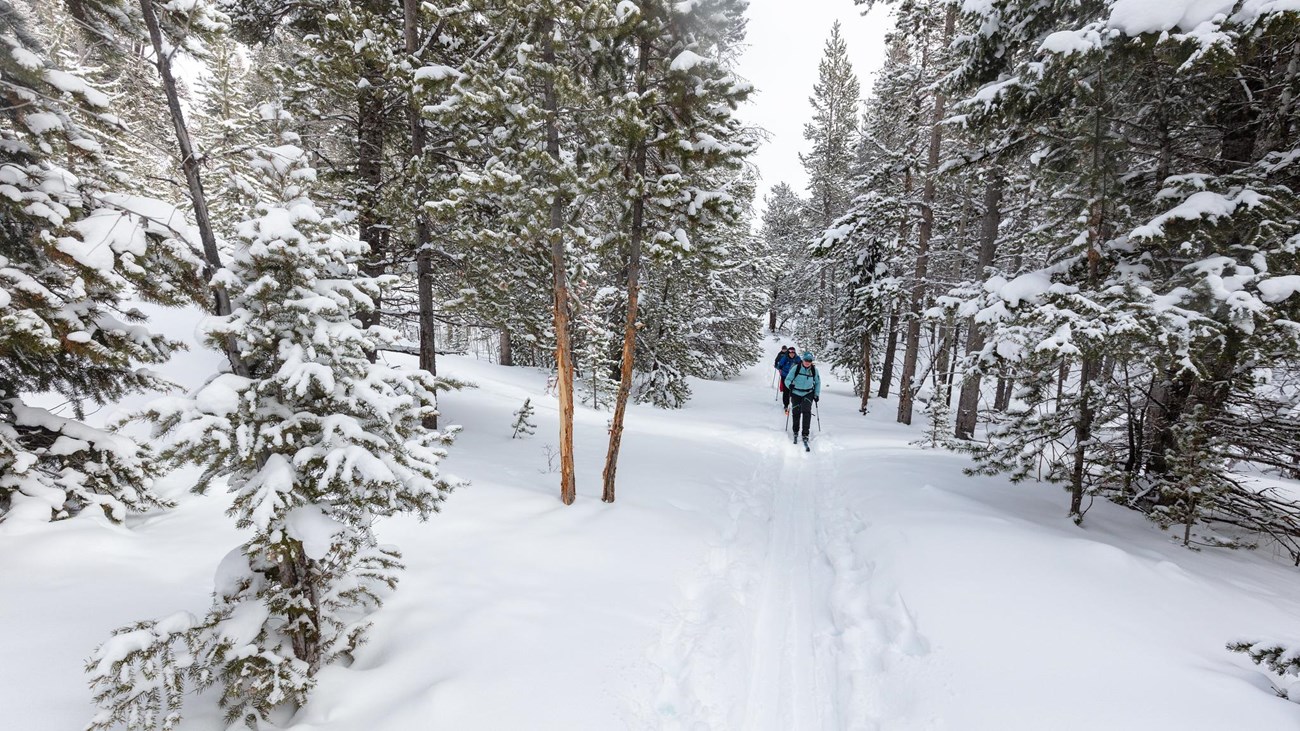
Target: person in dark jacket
<point>804,386</point>
<point>785,360</point>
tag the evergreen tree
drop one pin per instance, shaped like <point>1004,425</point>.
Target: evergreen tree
<point>679,147</point>
<point>1155,289</point>
<point>316,444</point>
<point>523,424</point>
<point>784,234</point>
<point>833,137</point>
<point>526,109</point>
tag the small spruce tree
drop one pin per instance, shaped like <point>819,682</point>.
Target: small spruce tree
<point>523,424</point>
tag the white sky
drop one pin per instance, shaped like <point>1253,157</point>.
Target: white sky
<point>786,39</point>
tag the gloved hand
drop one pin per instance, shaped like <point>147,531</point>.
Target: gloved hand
<point>818,399</point>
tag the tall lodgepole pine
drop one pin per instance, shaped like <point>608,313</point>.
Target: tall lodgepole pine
<point>925,231</point>
<point>190,165</point>
<point>423,254</point>
<point>559,276</point>
<point>635,236</point>
<point>968,401</point>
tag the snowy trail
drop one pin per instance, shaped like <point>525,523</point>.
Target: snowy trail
<point>783,690</point>
<point>788,624</point>
<point>768,633</point>
<point>738,583</point>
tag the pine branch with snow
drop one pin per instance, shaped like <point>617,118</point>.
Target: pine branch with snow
<point>1283,658</point>
<point>77,245</point>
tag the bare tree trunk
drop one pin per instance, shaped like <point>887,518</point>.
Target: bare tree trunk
<point>423,254</point>
<point>952,362</point>
<point>1090,363</point>
<point>891,350</point>
<point>968,401</point>
<point>190,165</point>
<point>907,389</point>
<point>866,371</point>
<point>633,287</point>
<point>370,178</point>
<point>821,296</point>
<point>1062,374</point>
<point>293,570</point>
<point>559,280</point>
<point>942,357</point>
<point>1082,434</point>
<point>1002,397</point>
<point>507,356</point>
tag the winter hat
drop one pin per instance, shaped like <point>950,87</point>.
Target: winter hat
<point>807,356</point>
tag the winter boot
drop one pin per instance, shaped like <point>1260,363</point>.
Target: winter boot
<point>806,448</point>
<point>796,438</point>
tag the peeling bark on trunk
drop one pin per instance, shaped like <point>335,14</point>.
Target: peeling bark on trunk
<point>559,279</point>
<point>294,572</point>
<point>633,287</point>
<point>942,358</point>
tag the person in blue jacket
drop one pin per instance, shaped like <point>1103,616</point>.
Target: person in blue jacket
<point>785,360</point>
<point>804,386</point>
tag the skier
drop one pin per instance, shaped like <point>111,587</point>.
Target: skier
<point>804,387</point>
<point>785,360</point>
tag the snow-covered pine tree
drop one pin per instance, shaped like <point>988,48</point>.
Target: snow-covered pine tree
<point>1180,231</point>
<point>833,136</point>
<point>75,246</point>
<point>490,279</point>
<point>526,111</point>
<point>931,25</point>
<point>783,236</point>
<point>523,424</point>
<point>316,444</point>
<point>347,54</point>
<point>699,315</point>
<point>678,145</point>
<point>876,241</point>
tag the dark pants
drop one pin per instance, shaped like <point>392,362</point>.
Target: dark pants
<point>785,394</point>
<point>802,409</point>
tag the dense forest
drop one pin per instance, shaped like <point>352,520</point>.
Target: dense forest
<point>1066,233</point>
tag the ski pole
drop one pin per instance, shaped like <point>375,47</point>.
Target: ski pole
<point>787,420</point>
<point>817,409</point>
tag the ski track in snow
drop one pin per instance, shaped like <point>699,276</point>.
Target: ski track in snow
<point>784,626</point>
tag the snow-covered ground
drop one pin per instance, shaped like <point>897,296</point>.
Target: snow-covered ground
<point>737,583</point>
